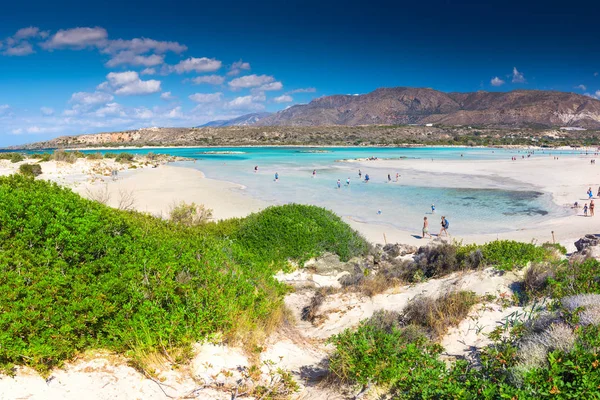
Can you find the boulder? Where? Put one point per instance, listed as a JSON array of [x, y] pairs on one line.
[[588, 240]]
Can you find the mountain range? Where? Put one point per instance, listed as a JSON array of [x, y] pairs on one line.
[[403, 105]]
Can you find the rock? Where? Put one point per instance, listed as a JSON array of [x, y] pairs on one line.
[[588, 240], [393, 250]]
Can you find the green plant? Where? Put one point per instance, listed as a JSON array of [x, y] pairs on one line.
[[124, 157], [16, 157], [32, 170], [94, 156], [570, 279], [190, 214], [64, 156]]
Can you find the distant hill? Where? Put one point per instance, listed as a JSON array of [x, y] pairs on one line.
[[401, 105], [244, 120]]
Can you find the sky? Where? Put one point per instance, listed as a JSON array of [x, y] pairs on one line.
[[71, 67]]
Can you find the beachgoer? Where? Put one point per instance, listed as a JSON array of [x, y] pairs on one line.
[[598, 195], [314, 173], [379, 212], [360, 174], [590, 193], [389, 178], [276, 177], [367, 178], [433, 208], [339, 183], [255, 168], [585, 208], [445, 225], [348, 181], [576, 205], [426, 228], [592, 208], [397, 176]]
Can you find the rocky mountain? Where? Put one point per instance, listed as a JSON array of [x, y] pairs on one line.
[[401, 105], [243, 120]]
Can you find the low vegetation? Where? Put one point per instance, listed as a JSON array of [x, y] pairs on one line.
[[32, 170], [190, 214], [78, 275]]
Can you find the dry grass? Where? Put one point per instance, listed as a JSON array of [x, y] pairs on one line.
[[310, 312], [589, 305], [126, 200], [536, 277], [190, 214], [437, 315], [101, 195], [534, 348]]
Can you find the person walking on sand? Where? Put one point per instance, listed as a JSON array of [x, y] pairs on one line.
[[590, 193], [426, 229], [591, 208], [445, 225], [585, 209]]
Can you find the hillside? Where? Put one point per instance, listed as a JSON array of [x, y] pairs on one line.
[[243, 120], [394, 106]]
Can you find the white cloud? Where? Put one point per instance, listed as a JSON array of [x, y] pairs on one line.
[[206, 97], [283, 99], [17, 131], [111, 109], [76, 38], [593, 96], [95, 98], [148, 71], [303, 90], [142, 113], [271, 86], [175, 113], [210, 79], [128, 84], [143, 45], [4, 109], [131, 58], [246, 103], [30, 32], [166, 96], [21, 49], [237, 67], [581, 87], [517, 77], [497, 81], [250, 81], [202, 64], [47, 111]]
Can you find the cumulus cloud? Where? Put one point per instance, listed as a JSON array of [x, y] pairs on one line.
[[110, 109], [271, 87], [237, 67], [76, 38], [246, 103], [202, 64], [517, 77], [581, 87], [303, 90], [206, 97], [131, 58], [143, 45], [18, 44], [30, 32], [20, 49], [210, 79], [166, 96], [87, 98], [283, 99], [497, 81], [175, 113], [129, 84], [47, 111], [593, 95], [250, 81], [4, 109], [148, 71]]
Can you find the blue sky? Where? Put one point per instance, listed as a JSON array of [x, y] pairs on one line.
[[69, 67]]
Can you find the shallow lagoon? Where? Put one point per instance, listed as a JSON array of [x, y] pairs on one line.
[[471, 206]]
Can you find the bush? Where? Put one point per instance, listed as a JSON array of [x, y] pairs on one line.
[[190, 214], [45, 157], [124, 157], [437, 315], [64, 156], [110, 155], [16, 157], [537, 277], [577, 278], [508, 254], [32, 170], [77, 275], [94, 156]]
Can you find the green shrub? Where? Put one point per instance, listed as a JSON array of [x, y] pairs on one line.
[[124, 157], [30, 169], [94, 156], [78, 275], [110, 155], [64, 156], [508, 254], [190, 214], [16, 157], [45, 157], [578, 278]]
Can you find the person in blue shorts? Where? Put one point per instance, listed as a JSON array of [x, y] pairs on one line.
[[339, 183], [276, 177], [433, 208], [367, 178]]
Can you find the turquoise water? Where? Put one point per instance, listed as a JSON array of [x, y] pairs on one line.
[[471, 207]]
